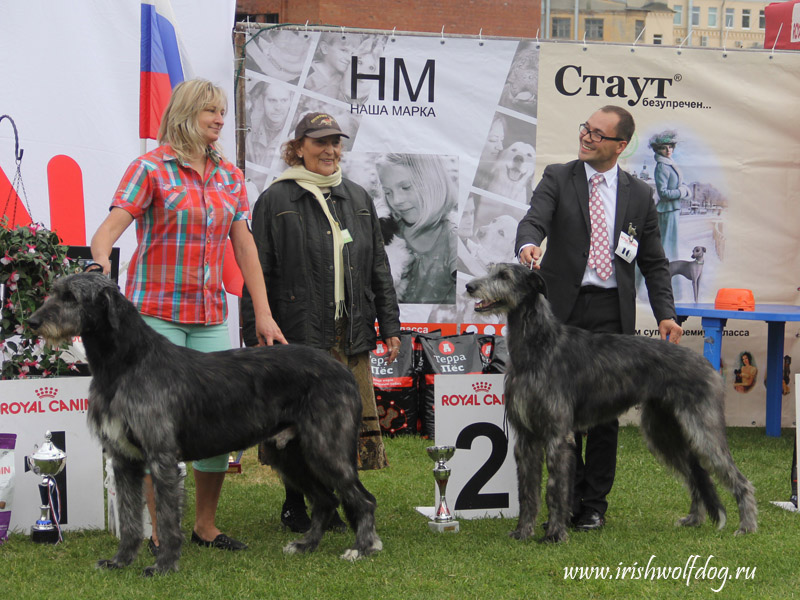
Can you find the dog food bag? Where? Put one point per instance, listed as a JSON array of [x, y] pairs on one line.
[[7, 443], [396, 387], [498, 362], [448, 355], [486, 344]]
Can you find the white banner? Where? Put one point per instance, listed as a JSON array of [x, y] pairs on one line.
[[453, 120], [70, 81], [486, 108]]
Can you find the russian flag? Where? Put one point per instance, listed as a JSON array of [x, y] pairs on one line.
[[163, 64]]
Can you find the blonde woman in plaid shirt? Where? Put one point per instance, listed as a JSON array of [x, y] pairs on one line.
[[187, 200]]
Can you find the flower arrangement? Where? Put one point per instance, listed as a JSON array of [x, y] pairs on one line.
[[31, 258]]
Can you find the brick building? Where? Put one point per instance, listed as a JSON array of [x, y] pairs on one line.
[[511, 18]]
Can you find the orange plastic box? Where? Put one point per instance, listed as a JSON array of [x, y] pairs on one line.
[[734, 299]]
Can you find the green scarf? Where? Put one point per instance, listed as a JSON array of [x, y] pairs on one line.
[[312, 182]]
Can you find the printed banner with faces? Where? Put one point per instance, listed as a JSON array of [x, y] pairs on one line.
[[445, 134]]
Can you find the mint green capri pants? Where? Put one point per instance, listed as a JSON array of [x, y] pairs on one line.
[[205, 338]]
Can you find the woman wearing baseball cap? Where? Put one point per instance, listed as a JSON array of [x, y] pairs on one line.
[[321, 251]]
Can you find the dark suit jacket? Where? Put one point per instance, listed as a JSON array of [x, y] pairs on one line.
[[560, 212]]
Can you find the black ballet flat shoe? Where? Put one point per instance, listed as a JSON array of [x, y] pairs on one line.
[[221, 542], [151, 545]]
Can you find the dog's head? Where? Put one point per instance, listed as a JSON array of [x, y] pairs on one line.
[[517, 161], [504, 287], [522, 81], [77, 304], [698, 252], [495, 241]]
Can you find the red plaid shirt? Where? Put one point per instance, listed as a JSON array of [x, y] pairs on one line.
[[182, 224]]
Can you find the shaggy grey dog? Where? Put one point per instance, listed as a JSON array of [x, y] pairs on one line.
[[563, 379], [153, 403]]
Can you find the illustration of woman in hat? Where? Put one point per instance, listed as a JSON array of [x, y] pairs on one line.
[[670, 189]]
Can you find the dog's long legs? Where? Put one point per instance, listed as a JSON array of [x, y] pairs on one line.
[[128, 478], [529, 454], [169, 508], [668, 442], [359, 507], [323, 505], [720, 462], [560, 466]]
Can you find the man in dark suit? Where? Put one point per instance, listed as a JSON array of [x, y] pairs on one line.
[[592, 247]]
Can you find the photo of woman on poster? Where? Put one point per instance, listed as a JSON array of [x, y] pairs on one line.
[[332, 60], [331, 69], [745, 375], [422, 200]]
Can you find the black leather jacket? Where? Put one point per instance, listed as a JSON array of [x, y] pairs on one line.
[[295, 248]]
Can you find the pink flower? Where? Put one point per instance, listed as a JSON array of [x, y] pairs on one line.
[[34, 227], [14, 276], [31, 248], [6, 259]]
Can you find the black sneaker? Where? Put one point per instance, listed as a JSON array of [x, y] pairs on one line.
[[793, 500], [295, 518]]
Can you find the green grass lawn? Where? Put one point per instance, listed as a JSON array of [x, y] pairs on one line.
[[480, 561]]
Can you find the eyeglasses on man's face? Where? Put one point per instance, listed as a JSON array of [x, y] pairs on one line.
[[596, 136]]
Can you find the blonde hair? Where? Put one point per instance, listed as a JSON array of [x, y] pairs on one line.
[[429, 178], [179, 124]]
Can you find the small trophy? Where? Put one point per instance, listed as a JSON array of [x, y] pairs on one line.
[[443, 519], [47, 461]]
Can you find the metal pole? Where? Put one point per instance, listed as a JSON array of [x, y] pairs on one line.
[[575, 18]]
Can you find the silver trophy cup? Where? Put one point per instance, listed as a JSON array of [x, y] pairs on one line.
[[47, 461], [443, 519]]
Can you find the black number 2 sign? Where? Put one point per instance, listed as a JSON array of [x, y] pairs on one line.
[[471, 496]]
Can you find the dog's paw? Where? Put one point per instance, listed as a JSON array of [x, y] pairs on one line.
[[107, 563], [352, 555], [554, 538], [299, 547], [743, 530], [691, 521], [292, 548], [521, 533], [158, 570]]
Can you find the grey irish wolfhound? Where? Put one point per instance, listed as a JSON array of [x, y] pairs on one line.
[[153, 403], [563, 379]]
